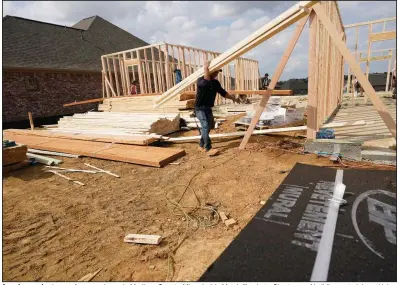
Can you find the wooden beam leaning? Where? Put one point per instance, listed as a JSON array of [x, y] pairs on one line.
[[276, 76], [312, 75], [378, 104], [277, 25], [109, 85]]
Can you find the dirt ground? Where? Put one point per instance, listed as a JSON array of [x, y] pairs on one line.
[[55, 230]]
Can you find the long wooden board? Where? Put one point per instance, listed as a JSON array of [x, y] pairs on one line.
[[382, 36], [143, 155], [122, 139]]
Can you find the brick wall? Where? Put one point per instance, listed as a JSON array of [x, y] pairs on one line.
[[53, 90]]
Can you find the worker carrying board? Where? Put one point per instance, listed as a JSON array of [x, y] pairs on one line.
[[207, 87]]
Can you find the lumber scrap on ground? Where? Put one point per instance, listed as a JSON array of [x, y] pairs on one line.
[[75, 135], [145, 239], [143, 155], [14, 154]]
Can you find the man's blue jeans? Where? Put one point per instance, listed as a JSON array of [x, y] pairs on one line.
[[205, 116]]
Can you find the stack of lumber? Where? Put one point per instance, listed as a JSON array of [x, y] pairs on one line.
[[115, 123], [143, 155], [145, 104], [14, 156], [14, 153]]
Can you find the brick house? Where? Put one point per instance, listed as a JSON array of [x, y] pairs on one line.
[[47, 65]]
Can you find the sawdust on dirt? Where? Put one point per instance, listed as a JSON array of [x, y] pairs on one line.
[[55, 230]]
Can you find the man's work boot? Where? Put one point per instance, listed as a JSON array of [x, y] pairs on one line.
[[201, 149], [213, 152]]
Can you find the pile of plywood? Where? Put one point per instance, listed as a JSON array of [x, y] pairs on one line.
[[117, 123], [145, 104]]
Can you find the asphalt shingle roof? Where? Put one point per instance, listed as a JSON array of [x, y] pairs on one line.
[[33, 44]]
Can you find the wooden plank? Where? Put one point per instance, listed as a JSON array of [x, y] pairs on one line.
[[148, 72], [167, 67], [370, 22], [89, 276], [111, 138], [275, 26], [143, 239], [376, 58], [143, 87], [378, 104], [375, 37], [84, 102], [237, 134], [389, 71], [154, 73], [118, 91], [368, 55], [127, 75], [276, 76], [312, 79], [143, 155], [125, 89], [32, 126], [130, 62], [110, 79], [104, 72], [161, 69], [109, 85]]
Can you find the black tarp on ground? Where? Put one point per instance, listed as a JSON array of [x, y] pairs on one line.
[[280, 243]]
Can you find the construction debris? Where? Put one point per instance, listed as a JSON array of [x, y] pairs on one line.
[[43, 159], [65, 177], [102, 170], [143, 239], [223, 216], [230, 223], [89, 276]]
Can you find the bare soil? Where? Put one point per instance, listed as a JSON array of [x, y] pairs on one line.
[[55, 230]]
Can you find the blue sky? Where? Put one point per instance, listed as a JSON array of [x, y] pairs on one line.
[[209, 25]]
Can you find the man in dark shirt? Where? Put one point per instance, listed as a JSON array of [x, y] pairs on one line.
[[207, 87]]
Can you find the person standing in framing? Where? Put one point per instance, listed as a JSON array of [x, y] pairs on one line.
[[207, 87]]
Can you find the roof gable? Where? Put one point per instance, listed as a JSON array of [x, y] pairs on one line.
[[33, 44]]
